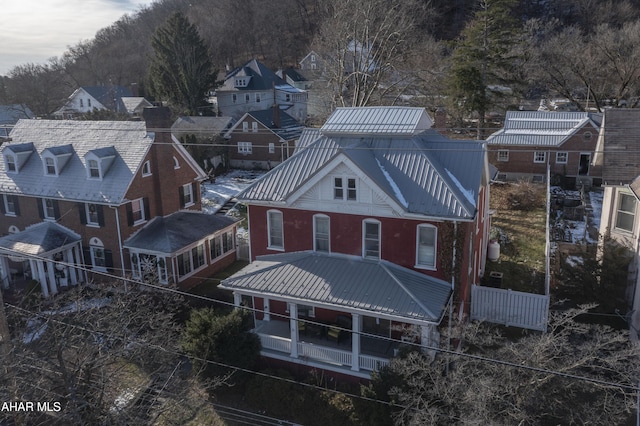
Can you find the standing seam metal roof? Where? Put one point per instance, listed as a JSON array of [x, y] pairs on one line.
[[342, 281]]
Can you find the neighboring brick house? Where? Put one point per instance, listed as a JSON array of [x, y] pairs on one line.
[[91, 185], [365, 232], [254, 87], [530, 140], [262, 139]]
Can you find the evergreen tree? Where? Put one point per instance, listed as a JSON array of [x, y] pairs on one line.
[[482, 57], [180, 70]]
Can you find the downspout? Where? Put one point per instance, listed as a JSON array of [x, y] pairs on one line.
[[453, 281], [115, 210]]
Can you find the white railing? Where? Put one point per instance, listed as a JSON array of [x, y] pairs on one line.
[[320, 353], [275, 343], [509, 307]]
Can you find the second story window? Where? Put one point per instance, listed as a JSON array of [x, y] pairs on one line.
[[234, 98], [321, 233], [254, 126], [245, 126], [93, 214], [539, 157], [10, 205], [81, 103], [186, 195], [48, 209], [247, 98], [626, 212], [272, 148], [371, 239], [137, 211], [426, 247], [275, 229]]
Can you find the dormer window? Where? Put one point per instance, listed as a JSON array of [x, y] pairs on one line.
[[94, 168], [10, 162], [50, 166]]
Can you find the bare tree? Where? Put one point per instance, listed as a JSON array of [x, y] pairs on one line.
[[576, 373]]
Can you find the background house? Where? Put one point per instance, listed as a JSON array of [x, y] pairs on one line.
[[530, 140], [262, 139], [254, 87], [366, 229], [92, 185], [9, 116], [88, 98]]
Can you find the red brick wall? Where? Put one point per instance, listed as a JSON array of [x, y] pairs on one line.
[[260, 144]]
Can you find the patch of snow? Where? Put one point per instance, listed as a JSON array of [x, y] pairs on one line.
[[468, 194], [35, 329], [225, 187], [596, 204], [393, 184], [123, 399], [575, 260]]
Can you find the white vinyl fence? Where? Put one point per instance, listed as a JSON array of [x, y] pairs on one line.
[[509, 307]]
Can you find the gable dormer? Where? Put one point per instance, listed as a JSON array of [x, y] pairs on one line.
[[55, 158], [15, 156], [98, 161], [241, 81]]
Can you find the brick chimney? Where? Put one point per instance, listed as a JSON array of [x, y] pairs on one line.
[[158, 122], [157, 119]]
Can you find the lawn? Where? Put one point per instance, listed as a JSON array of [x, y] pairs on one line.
[[518, 223]]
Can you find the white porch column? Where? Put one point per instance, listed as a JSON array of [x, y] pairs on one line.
[[356, 321], [73, 273], [52, 277], [77, 254], [237, 299], [5, 275], [267, 312], [41, 276], [293, 325]]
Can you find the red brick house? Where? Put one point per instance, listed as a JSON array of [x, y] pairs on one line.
[[262, 139], [73, 192], [362, 237], [531, 140]]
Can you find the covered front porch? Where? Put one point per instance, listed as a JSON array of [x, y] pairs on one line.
[[45, 252], [354, 315]]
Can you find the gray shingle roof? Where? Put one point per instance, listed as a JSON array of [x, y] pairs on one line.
[[427, 174], [619, 142], [176, 231], [289, 129], [541, 128], [38, 239], [201, 125], [262, 78], [341, 281], [129, 138]]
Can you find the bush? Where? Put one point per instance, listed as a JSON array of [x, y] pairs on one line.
[[525, 195], [223, 339]]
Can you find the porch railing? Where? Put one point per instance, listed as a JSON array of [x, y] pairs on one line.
[[324, 354]]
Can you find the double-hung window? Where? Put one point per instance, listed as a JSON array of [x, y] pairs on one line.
[[371, 239], [503, 155], [539, 157], [426, 247], [344, 188], [562, 157], [245, 148], [10, 161], [626, 212], [137, 209], [275, 229], [321, 233], [187, 195]]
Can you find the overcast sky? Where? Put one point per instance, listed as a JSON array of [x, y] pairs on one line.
[[36, 30]]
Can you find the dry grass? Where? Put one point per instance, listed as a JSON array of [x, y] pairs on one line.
[[519, 225]]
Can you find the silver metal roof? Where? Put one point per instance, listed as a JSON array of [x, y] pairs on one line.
[[386, 120], [541, 128], [128, 138], [344, 282], [427, 174]]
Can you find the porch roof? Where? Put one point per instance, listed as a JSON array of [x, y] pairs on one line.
[[172, 233], [38, 239], [344, 282]]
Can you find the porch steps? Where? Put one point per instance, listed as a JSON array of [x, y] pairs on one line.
[[227, 206]]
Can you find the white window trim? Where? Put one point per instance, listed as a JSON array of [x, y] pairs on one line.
[[245, 126], [345, 187], [272, 148], [96, 244], [176, 163], [189, 251], [619, 197], [419, 265], [254, 126], [146, 168], [98, 167], [539, 161], [143, 218], [88, 215], [245, 148], [5, 200], [269, 245], [13, 161], [321, 216], [503, 158], [187, 190], [55, 165], [44, 209], [364, 227], [566, 159]]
